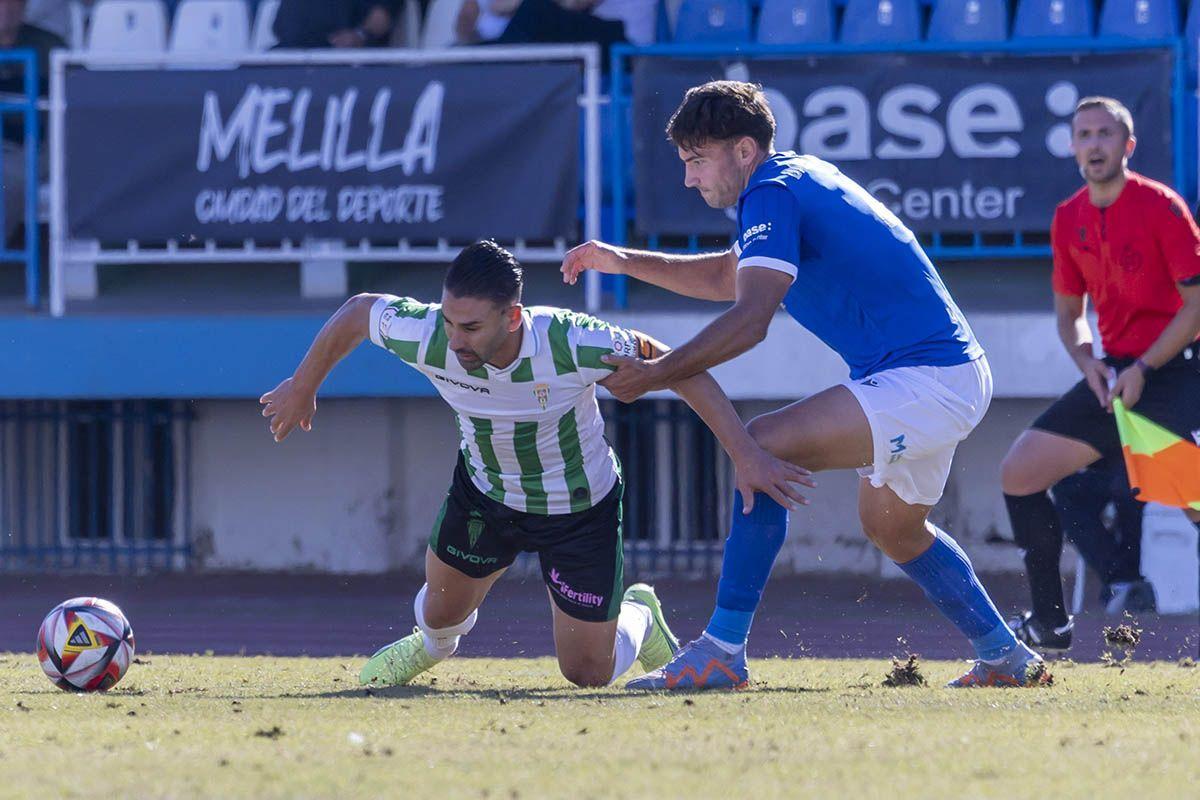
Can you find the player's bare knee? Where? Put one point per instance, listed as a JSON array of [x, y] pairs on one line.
[[1015, 476], [895, 537], [586, 674], [880, 533], [585, 669]]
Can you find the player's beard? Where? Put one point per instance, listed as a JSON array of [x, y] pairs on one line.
[[472, 360], [714, 199], [482, 355]]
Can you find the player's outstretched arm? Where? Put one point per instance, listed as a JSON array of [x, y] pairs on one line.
[[708, 276], [294, 401], [755, 469], [741, 327]]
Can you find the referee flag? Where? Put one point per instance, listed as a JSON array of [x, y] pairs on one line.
[[1163, 468]]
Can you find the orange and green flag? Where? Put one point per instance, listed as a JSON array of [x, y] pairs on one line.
[[1163, 468]]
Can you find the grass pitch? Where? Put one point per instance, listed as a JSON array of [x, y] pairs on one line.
[[180, 726]]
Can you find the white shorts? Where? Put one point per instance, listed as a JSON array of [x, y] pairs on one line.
[[918, 415]]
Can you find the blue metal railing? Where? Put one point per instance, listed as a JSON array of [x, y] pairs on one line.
[[1023, 244], [27, 107], [95, 486]]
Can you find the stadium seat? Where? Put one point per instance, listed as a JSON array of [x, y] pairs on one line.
[[211, 26], [440, 17], [1040, 19], [128, 26], [263, 37], [713, 22], [881, 21], [1139, 19], [968, 21], [795, 22]]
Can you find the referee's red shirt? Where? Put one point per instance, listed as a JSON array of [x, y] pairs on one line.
[[1127, 258]]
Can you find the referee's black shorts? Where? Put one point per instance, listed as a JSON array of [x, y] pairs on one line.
[[1171, 398]]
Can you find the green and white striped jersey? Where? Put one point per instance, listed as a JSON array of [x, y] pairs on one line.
[[532, 435]]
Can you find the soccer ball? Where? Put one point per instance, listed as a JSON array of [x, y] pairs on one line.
[[85, 645]]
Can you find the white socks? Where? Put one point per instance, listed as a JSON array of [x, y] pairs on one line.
[[441, 643], [633, 625]]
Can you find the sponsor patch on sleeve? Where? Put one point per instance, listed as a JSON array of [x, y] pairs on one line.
[[385, 321], [633, 344]]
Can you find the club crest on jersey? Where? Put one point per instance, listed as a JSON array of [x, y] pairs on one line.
[[542, 392]]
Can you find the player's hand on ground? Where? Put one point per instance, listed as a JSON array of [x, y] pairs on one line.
[[1098, 375], [1128, 387], [633, 378], [759, 471], [288, 405], [593, 255]]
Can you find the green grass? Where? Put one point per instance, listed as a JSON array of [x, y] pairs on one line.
[[181, 726]]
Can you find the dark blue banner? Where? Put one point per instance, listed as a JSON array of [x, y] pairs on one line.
[[949, 142], [378, 152]]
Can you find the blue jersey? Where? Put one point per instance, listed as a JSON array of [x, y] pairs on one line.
[[861, 282]]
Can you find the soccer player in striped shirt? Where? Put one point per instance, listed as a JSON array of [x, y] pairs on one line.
[[534, 472]]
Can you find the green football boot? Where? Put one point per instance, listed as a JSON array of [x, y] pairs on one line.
[[397, 663], [660, 644]]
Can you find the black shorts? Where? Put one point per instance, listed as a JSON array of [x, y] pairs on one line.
[[581, 554], [1171, 398]]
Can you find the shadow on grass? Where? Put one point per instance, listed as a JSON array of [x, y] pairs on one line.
[[564, 693], [420, 691]]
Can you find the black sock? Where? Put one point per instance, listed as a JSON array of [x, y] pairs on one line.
[[1037, 532]]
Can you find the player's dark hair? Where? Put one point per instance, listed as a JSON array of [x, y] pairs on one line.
[[486, 270], [719, 111]]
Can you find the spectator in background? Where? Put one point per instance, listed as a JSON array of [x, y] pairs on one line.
[[607, 22], [57, 17], [334, 23], [15, 34], [482, 21]]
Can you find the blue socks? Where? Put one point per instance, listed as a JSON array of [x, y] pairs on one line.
[[946, 575], [943, 571], [750, 551]]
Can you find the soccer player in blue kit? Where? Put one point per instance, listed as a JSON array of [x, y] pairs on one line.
[[848, 270]]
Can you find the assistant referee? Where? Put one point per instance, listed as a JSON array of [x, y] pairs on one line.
[[1131, 245]]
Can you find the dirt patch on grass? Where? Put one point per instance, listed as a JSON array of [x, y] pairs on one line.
[[1125, 638], [1039, 675], [905, 673]]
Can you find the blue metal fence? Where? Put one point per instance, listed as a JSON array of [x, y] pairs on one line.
[[678, 488], [27, 108], [1017, 245], [95, 486]]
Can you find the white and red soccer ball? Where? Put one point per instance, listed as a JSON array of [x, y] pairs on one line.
[[85, 645]]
